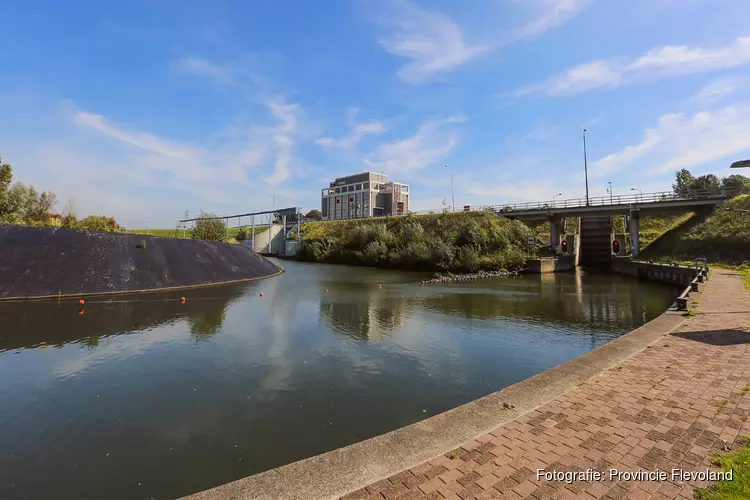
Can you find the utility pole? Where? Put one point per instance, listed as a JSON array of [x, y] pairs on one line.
[[610, 192], [453, 199], [184, 226], [586, 167]]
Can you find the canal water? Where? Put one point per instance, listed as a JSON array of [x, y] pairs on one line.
[[143, 396]]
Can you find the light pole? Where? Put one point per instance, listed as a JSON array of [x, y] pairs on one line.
[[586, 167], [453, 200], [610, 192], [555, 196], [639, 190]]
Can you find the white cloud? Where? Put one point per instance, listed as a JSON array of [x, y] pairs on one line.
[[287, 115], [716, 90], [431, 41], [540, 133], [663, 62], [549, 14], [680, 141], [434, 141], [204, 67], [358, 131]]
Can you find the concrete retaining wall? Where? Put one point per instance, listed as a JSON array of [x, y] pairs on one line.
[[39, 262], [550, 265], [666, 273]]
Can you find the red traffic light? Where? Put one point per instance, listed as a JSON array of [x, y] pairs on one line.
[[616, 246], [565, 246]]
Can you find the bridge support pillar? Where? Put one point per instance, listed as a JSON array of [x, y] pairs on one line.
[[634, 226], [555, 232]]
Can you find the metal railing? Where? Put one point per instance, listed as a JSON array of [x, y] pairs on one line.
[[599, 201]]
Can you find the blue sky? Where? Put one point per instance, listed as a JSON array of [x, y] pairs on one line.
[[144, 109]]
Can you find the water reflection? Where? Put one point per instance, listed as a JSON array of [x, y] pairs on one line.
[[56, 323], [147, 397]]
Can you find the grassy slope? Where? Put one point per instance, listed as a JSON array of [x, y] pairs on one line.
[[462, 241], [721, 237], [177, 233]]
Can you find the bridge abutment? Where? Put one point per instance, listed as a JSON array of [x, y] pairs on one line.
[[555, 233], [634, 226]]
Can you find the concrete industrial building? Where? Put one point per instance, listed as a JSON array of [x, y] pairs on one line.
[[364, 195]]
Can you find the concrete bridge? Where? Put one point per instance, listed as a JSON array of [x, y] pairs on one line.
[[595, 229]]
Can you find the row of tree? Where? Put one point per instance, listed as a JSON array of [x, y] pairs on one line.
[[22, 204], [734, 184]]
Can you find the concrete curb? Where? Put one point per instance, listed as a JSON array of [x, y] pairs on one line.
[[347, 469]]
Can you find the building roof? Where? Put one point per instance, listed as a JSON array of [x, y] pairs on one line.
[[741, 164]]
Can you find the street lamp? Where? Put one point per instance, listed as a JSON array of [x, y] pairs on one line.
[[555, 196], [453, 200], [639, 190], [586, 167], [610, 192], [741, 164]]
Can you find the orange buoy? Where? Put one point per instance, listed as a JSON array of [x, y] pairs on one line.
[[182, 299], [380, 286], [261, 294], [326, 289], [80, 311], [81, 301]]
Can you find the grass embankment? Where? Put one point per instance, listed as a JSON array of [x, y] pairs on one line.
[[651, 228], [739, 487], [460, 242], [722, 237], [180, 233]]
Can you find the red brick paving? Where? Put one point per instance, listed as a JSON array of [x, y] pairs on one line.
[[672, 405]]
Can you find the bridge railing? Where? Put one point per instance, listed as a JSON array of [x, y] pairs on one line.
[[611, 200]]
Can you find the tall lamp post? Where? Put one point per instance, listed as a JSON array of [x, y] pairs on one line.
[[555, 196], [453, 200], [586, 167], [639, 190], [610, 192]]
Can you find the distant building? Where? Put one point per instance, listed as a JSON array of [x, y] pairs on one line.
[[364, 195]]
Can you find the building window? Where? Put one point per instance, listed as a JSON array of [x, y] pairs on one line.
[[404, 189], [338, 189], [351, 188], [366, 186], [359, 187]]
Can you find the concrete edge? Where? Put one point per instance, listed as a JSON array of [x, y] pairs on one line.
[[130, 292], [347, 469]]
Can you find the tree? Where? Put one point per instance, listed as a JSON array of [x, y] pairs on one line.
[[709, 183], [736, 184], [683, 182], [6, 177], [314, 214], [98, 223], [209, 227]]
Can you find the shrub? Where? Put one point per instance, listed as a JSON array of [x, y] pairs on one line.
[[242, 234], [96, 223], [375, 252], [468, 260], [209, 227], [473, 235], [443, 253]]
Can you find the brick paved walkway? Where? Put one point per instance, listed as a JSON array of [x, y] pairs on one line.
[[671, 405]]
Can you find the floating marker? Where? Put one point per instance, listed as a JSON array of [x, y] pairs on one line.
[[326, 289], [81, 301], [261, 294], [182, 299], [80, 311], [380, 286]]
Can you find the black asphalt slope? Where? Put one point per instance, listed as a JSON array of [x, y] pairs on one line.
[[40, 261]]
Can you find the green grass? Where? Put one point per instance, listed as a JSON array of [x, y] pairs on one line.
[[721, 237], [739, 487], [651, 228], [178, 233]]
